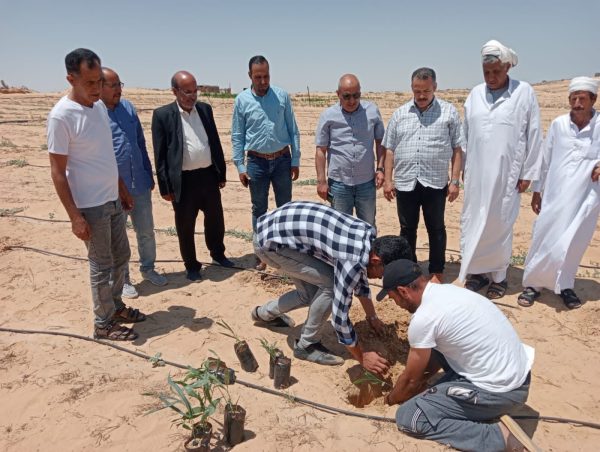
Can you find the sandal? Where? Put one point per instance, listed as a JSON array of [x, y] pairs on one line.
[[475, 283], [128, 315], [528, 296], [115, 332], [570, 299], [497, 290]]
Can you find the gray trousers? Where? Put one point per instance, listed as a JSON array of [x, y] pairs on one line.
[[108, 251], [458, 413], [314, 288]]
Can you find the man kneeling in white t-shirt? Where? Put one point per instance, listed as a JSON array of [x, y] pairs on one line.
[[487, 367]]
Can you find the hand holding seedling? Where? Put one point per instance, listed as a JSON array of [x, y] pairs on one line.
[[375, 363]]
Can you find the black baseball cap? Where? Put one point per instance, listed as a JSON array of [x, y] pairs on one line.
[[398, 273]]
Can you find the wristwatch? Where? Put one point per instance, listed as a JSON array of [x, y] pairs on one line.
[[455, 182], [380, 170]]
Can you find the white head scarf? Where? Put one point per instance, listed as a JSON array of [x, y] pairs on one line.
[[497, 49], [584, 84]]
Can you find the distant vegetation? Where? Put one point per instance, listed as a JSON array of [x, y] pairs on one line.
[[219, 95]]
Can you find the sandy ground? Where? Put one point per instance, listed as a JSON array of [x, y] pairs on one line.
[[59, 393]]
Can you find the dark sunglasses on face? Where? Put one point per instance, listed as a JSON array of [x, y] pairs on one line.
[[348, 96], [114, 85]]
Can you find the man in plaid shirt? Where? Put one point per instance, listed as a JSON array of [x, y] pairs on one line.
[[422, 138], [329, 256]]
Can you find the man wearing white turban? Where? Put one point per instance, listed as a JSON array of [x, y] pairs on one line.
[[502, 156], [566, 197]]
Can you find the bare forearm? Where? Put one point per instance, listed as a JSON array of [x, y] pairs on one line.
[[380, 151], [58, 172], [405, 389], [456, 163], [368, 307], [61, 185], [389, 164], [356, 352], [320, 162]]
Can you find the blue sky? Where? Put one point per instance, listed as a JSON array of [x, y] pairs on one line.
[[308, 43]]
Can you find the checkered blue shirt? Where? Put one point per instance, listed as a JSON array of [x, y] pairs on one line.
[[423, 144], [337, 239]]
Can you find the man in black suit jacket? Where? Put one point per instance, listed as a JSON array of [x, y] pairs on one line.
[[190, 169]]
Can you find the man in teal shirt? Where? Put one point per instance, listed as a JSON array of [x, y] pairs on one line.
[[262, 132]]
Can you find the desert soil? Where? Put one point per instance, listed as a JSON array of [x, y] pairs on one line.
[[61, 393]]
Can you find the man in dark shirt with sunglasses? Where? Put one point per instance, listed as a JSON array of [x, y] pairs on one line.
[[344, 138]]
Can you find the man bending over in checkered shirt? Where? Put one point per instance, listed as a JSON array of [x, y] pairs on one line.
[[329, 256]]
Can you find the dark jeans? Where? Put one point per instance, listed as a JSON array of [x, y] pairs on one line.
[[199, 192], [433, 202], [263, 173], [361, 198]]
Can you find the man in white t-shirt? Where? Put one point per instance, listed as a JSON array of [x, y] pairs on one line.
[[487, 367], [84, 171]]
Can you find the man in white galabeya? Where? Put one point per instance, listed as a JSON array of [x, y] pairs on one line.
[[502, 150], [566, 198]]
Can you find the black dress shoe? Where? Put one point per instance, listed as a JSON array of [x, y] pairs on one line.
[[193, 275], [223, 262]]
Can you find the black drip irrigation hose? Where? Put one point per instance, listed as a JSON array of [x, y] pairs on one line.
[[48, 220], [209, 264], [163, 261], [293, 398]]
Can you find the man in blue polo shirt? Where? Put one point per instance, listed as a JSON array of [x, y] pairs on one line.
[[136, 171], [264, 128]]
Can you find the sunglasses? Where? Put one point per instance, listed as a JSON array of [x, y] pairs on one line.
[[348, 96], [114, 85]]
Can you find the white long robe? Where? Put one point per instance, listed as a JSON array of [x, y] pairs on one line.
[[503, 145], [570, 204]]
